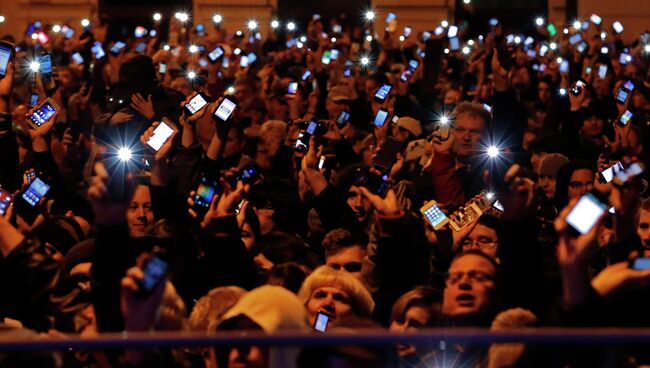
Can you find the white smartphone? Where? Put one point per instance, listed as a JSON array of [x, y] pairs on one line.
[[584, 215], [434, 215], [160, 135]]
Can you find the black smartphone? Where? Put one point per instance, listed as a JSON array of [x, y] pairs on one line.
[[43, 113], [46, 70], [383, 92], [196, 104], [578, 86], [622, 95], [215, 54], [343, 117], [27, 204], [225, 109], [377, 184], [381, 117], [625, 118], [302, 142], [249, 174], [387, 156], [320, 324], [204, 192], [5, 201], [505, 51], [154, 272], [7, 52], [585, 213]]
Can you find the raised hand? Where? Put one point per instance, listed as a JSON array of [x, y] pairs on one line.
[[143, 106]]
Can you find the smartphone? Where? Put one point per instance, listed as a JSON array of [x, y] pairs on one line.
[[543, 49], [582, 47], [406, 75], [139, 32], [154, 273], [604, 50], [452, 31], [292, 88], [306, 75], [162, 68], [326, 162], [618, 27], [320, 324], [434, 215], [44, 112], [465, 216], [337, 28], [302, 142], [160, 135], [243, 61], [377, 184], [629, 85], [407, 31], [584, 215], [632, 171], [5, 200], [117, 47], [454, 44], [578, 86], [195, 105], [383, 92], [552, 31], [97, 50], [33, 100], [203, 63], [68, 32], [390, 17], [413, 64], [575, 38], [326, 58], [141, 47], [206, 190], [531, 53], [251, 58], [380, 118], [387, 155], [334, 54], [77, 58], [625, 118], [640, 263], [564, 67], [602, 71], [498, 206], [27, 203], [153, 33], [6, 55], [487, 108], [588, 70], [624, 58], [595, 19], [622, 95], [343, 117], [215, 54], [609, 174], [438, 30], [493, 22], [225, 109], [347, 72]]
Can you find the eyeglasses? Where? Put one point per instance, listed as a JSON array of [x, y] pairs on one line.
[[453, 278], [349, 267], [481, 243]]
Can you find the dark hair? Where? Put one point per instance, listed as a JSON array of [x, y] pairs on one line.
[[564, 177], [421, 296], [280, 247], [339, 239], [289, 275]]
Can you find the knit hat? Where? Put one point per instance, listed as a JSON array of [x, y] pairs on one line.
[[411, 125], [551, 164]]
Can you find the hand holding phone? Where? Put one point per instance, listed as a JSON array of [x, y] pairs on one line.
[[160, 135], [321, 322], [434, 215], [585, 213], [7, 52], [196, 104], [154, 273], [383, 92], [225, 109], [44, 113]]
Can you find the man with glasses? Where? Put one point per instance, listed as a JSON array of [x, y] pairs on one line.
[[483, 236], [344, 251]]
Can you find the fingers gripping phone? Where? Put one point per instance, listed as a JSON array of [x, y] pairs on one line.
[[585, 214], [196, 104], [6, 55], [434, 215], [27, 204], [160, 135], [43, 113], [225, 109]]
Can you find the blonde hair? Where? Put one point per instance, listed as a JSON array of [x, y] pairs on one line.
[[276, 128], [360, 299]]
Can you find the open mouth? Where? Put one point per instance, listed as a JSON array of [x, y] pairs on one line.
[[466, 300]]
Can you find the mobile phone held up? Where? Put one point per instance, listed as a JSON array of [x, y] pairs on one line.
[[292, 89], [434, 215], [196, 104], [640, 263], [622, 95], [154, 272], [204, 193], [5, 201], [625, 118], [380, 118], [27, 204], [160, 135], [6, 55], [215, 54], [343, 117], [320, 324], [225, 109], [579, 85], [383, 92], [585, 213], [43, 113], [609, 174]]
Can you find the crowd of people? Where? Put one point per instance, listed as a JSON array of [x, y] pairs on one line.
[[185, 178]]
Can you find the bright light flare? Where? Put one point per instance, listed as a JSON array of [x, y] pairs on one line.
[[489, 195], [34, 66], [34, 36], [517, 40], [124, 154], [553, 45], [467, 2], [56, 28], [191, 75], [539, 21], [369, 15], [444, 120], [466, 50], [291, 26], [493, 151], [182, 17], [193, 49], [275, 23], [217, 18], [2, 18], [251, 24], [157, 17], [85, 22], [230, 90], [577, 24], [562, 92], [646, 49], [444, 24]]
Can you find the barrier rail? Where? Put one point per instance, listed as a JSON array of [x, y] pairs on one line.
[[363, 337]]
